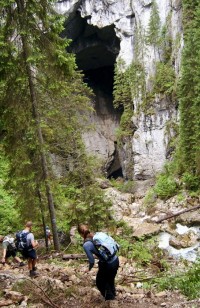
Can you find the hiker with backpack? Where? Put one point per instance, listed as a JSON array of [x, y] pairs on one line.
[[99, 245], [26, 244], [48, 235], [9, 249]]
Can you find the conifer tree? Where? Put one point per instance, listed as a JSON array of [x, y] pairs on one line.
[[189, 90], [153, 33], [40, 97]]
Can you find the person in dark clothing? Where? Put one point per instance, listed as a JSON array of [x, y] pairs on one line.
[[107, 270]]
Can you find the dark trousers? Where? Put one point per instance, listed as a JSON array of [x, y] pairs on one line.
[[105, 280]]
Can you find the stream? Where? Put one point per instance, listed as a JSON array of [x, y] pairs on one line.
[[190, 253]]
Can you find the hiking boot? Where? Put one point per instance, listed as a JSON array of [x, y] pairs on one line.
[[33, 274], [34, 268]]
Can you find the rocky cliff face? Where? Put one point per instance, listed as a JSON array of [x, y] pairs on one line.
[[104, 32]]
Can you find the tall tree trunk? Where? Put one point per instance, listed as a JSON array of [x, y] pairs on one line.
[[25, 46], [43, 219]]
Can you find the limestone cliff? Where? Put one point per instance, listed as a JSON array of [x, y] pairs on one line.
[[104, 33]]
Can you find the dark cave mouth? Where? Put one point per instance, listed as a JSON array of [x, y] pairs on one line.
[[116, 174], [102, 78], [96, 50]]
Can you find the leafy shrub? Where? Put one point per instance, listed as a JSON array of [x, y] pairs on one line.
[[142, 252], [150, 198], [191, 181], [165, 187], [164, 78], [123, 186], [188, 283]]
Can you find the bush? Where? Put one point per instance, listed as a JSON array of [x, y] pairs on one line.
[[150, 198], [188, 283], [164, 79], [165, 187], [191, 181]]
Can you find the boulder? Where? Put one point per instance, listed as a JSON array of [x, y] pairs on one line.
[[146, 229]]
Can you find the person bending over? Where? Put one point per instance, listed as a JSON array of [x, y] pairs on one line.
[[9, 250], [107, 270]]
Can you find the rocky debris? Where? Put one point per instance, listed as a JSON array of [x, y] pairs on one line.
[[103, 183], [146, 229], [123, 204], [69, 285], [190, 218], [15, 297], [184, 240], [173, 205]]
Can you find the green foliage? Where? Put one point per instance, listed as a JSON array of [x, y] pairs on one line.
[[125, 129], [129, 83], [123, 186], [154, 26], [190, 181], [9, 217], [165, 186], [31, 39], [150, 198], [189, 91], [84, 205], [122, 90], [142, 252], [188, 283], [164, 79]]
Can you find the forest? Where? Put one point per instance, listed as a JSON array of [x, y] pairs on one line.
[[47, 176]]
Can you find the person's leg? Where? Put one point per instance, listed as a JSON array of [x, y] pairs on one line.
[[33, 257], [7, 256], [16, 258], [34, 264], [30, 264], [101, 279], [110, 279]]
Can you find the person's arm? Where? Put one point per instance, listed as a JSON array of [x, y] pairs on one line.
[[32, 240], [88, 248], [3, 260]]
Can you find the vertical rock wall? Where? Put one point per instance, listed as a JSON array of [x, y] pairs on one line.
[[152, 134]]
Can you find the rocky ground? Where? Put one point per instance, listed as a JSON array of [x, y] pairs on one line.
[[66, 284]]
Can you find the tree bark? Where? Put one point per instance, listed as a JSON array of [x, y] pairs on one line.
[[25, 46], [74, 256], [179, 213], [43, 220]]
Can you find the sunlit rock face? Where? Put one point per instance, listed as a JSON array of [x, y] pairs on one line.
[[102, 33]]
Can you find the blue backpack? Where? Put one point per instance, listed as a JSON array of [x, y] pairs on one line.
[[107, 247], [21, 241]]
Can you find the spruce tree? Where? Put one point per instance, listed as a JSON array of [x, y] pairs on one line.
[[41, 99], [189, 90], [153, 32]]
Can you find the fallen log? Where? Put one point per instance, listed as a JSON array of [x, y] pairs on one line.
[[74, 256], [178, 213]]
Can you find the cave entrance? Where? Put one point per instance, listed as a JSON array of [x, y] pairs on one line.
[[96, 50]]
